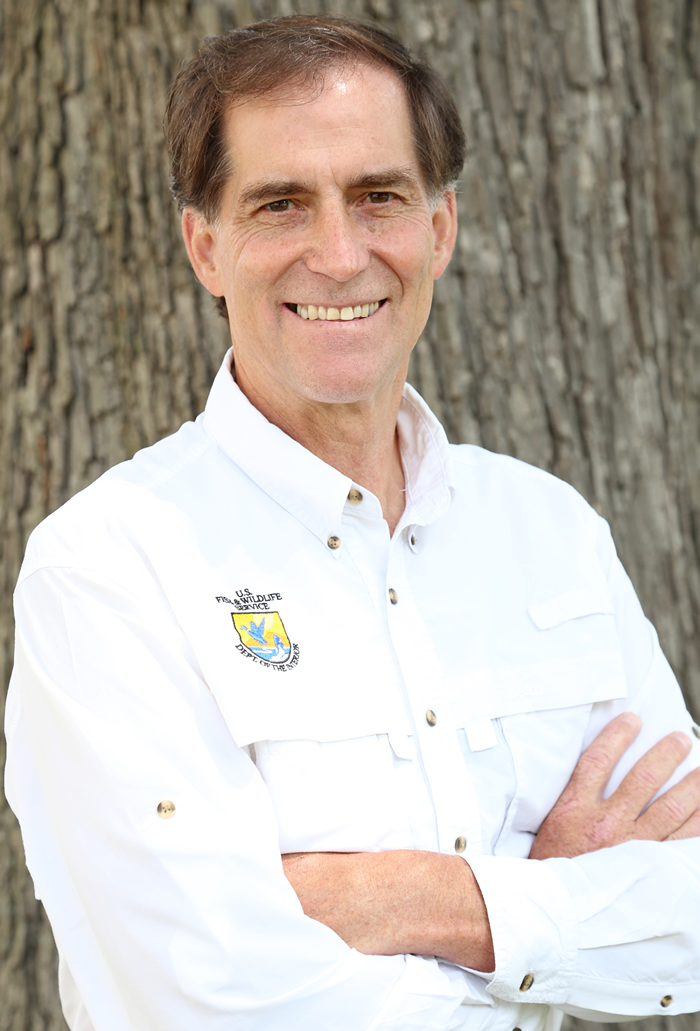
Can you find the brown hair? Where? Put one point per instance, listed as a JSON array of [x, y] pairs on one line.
[[294, 52]]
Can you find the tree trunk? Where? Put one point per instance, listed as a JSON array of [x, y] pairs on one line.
[[565, 331]]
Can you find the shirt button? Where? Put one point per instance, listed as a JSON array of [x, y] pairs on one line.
[[430, 718], [333, 543], [527, 983], [354, 496], [166, 809], [393, 596], [460, 844], [696, 730], [413, 540], [667, 1000]]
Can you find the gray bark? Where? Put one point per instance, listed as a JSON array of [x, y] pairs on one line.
[[565, 332]]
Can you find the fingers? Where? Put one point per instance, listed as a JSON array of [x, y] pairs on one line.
[[582, 821], [675, 814], [650, 773], [690, 829], [601, 757]]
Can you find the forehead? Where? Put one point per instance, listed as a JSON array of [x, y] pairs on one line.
[[356, 118]]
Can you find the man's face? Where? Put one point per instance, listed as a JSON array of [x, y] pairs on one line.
[[325, 209]]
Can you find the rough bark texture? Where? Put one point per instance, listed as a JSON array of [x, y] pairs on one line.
[[565, 332]]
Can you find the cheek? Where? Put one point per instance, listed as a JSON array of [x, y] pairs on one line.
[[417, 279], [259, 263], [410, 255]]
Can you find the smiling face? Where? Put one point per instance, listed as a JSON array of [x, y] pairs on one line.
[[326, 245]]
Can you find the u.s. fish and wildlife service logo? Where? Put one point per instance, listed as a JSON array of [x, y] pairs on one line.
[[263, 636]]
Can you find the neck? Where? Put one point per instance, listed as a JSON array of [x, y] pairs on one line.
[[359, 439], [370, 456]]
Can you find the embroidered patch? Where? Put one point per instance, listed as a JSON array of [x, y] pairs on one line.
[[264, 637]]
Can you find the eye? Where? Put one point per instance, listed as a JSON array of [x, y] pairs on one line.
[[376, 197], [279, 205]]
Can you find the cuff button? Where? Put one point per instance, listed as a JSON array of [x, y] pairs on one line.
[[667, 1000], [528, 982]]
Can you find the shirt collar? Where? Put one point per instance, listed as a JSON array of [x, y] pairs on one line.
[[427, 462], [313, 491]]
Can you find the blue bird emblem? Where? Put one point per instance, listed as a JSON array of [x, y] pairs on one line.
[[256, 630], [264, 636]]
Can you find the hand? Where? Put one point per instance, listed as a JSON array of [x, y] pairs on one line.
[[390, 903], [582, 821]]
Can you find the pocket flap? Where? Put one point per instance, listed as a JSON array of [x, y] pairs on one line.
[[569, 605]]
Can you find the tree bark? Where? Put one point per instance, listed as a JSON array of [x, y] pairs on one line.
[[565, 331]]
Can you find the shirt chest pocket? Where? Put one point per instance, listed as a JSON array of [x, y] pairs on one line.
[[583, 667], [345, 795], [542, 692]]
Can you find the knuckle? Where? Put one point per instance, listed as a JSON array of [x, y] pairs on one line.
[[595, 760], [673, 809], [647, 778], [676, 745]]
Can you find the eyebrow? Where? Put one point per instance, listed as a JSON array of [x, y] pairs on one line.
[[390, 178], [401, 178]]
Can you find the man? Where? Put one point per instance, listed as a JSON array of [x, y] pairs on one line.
[[304, 636]]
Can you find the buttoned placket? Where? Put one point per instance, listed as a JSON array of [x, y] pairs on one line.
[[454, 800], [384, 564]]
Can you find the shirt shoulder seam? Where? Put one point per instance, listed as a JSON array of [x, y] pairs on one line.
[[54, 566], [157, 481]]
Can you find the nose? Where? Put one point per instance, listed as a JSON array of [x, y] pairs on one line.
[[337, 248]]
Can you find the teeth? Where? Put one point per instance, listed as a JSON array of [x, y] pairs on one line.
[[359, 311]]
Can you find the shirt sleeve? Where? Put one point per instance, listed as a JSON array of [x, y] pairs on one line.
[[181, 921], [613, 934]]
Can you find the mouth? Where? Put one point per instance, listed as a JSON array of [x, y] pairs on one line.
[[329, 314]]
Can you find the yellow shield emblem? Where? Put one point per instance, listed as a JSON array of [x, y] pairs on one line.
[[263, 634]]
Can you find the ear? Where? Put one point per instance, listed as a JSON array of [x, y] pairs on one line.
[[444, 232], [201, 241]]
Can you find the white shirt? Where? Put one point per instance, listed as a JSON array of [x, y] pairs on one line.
[[218, 625]]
